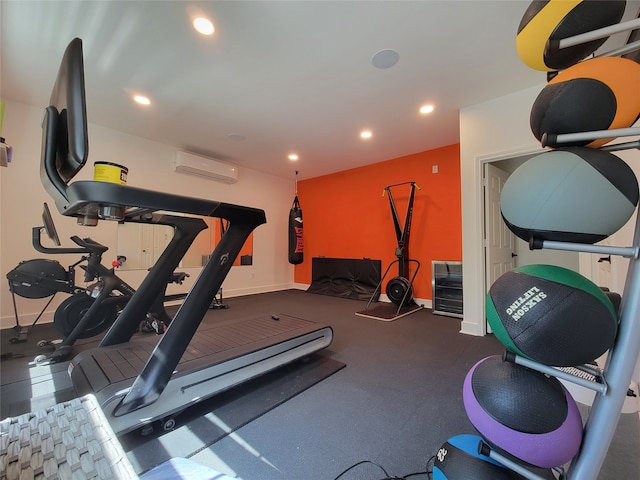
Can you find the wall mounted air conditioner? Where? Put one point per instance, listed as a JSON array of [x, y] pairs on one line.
[[206, 167]]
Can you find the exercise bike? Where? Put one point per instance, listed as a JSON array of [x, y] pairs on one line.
[[89, 310]]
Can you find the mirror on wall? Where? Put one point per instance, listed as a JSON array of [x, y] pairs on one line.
[[143, 243]]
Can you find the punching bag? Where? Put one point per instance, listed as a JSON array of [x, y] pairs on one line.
[[296, 253]]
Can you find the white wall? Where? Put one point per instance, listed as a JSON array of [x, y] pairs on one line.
[[496, 129], [150, 166]]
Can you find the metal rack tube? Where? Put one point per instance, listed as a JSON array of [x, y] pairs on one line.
[[554, 372], [487, 451], [597, 34], [627, 252], [550, 138], [603, 419], [617, 52], [617, 147]]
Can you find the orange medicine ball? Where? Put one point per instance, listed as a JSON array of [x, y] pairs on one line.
[[597, 94]]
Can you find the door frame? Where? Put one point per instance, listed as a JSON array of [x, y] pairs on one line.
[[479, 258], [489, 230]]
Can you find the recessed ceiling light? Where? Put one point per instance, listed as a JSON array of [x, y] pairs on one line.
[[141, 99], [293, 157], [237, 137], [385, 58], [426, 109], [203, 26], [366, 134]]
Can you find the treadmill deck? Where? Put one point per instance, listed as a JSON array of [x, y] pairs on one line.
[[210, 344], [218, 357]]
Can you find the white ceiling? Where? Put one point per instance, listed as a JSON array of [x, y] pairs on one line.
[[289, 76]]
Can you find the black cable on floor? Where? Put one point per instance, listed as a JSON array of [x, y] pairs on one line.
[[431, 461], [362, 463], [387, 476]]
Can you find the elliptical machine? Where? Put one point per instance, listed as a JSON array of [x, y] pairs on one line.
[[90, 310]]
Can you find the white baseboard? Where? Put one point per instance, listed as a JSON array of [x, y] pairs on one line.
[[240, 292], [27, 319], [423, 302]]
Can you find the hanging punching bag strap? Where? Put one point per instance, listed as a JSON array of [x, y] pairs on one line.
[[296, 248]]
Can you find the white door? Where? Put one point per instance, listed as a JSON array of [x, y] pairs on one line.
[[130, 245], [597, 268], [148, 238], [161, 237], [499, 242]]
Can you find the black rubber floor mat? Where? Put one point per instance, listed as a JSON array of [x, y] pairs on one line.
[[204, 424], [388, 312]]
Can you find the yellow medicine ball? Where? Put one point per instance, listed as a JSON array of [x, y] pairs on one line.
[[546, 22]]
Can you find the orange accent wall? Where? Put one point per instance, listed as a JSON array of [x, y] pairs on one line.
[[346, 216]]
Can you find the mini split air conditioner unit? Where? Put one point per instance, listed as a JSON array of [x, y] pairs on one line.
[[206, 167]]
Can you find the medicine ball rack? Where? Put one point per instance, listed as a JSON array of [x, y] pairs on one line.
[[611, 384]]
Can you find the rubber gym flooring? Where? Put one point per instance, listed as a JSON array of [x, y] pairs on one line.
[[388, 394]]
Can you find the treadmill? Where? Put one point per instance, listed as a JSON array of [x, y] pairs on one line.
[[139, 380]]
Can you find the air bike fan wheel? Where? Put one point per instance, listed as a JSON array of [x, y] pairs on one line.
[[399, 291]]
